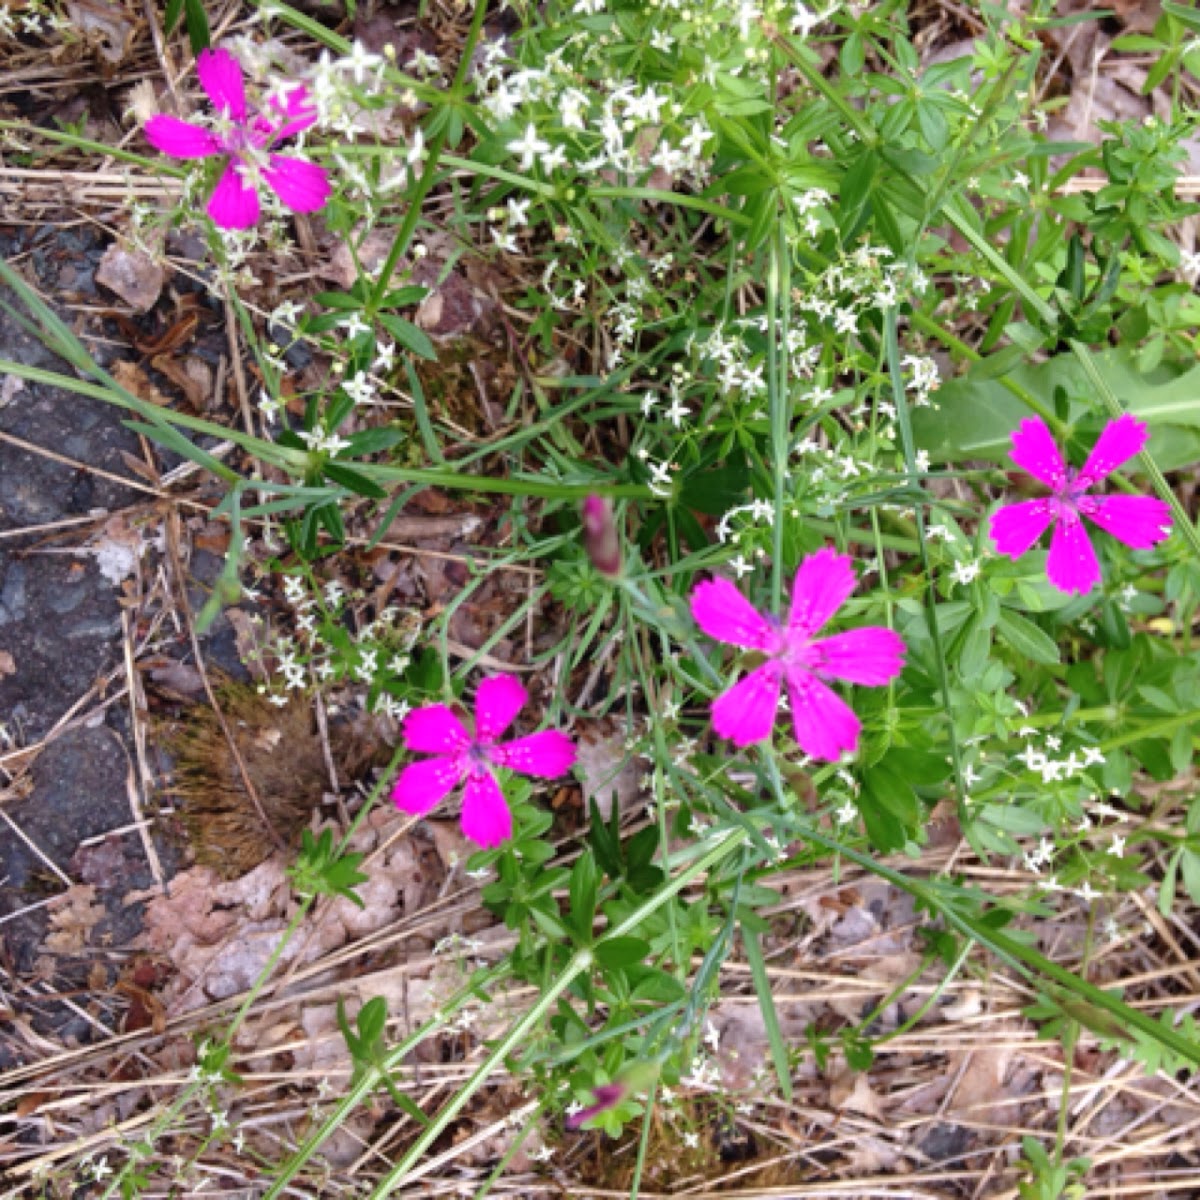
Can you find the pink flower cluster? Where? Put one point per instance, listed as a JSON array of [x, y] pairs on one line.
[[247, 138]]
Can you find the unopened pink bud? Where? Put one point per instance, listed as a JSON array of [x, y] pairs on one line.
[[600, 536]]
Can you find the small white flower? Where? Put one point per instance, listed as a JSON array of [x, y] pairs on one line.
[[1117, 846], [518, 210], [966, 572], [360, 61], [416, 153], [691, 1140], [529, 146]]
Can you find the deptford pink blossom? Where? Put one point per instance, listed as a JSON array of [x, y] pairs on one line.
[[825, 725], [459, 756], [600, 537], [248, 138], [1138, 521]]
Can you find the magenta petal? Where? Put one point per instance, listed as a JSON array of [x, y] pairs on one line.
[[823, 583], [825, 725], [498, 699], [1138, 521], [1119, 442], [180, 139], [746, 712], [233, 204], [422, 784], [485, 816], [221, 78], [302, 186], [434, 729], [1034, 450], [1016, 527], [726, 615], [298, 112], [1071, 565], [546, 755], [872, 655]]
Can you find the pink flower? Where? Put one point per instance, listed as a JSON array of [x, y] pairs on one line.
[[600, 537], [247, 138], [825, 725], [1138, 521], [436, 730]]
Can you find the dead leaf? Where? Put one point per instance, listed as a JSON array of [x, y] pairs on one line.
[[145, 1011], [852, 1091], [980, 1093], [181, 678], [7, 665], [102, 865], [105, 27], [609, 773], [192, 376], [73, 916], [9, 388], [133, 379], [133, 275]]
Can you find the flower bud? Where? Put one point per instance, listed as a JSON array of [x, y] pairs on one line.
[[600, 536]]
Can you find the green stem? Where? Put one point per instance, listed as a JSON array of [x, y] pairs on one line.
[[780, 409], [1089, 1003], [458, 481], [1180, 514], [432, 167], [903, 417], [155, 166], [580, 962]]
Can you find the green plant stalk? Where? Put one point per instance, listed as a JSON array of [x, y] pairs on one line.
[[932, 999], [678, 199], [507, 1157], [295, 461], [371, 1078], [154, 166], [1027, 961], [580, 962], [778, 286], [639, 1166], [417, 199], [904, 420]]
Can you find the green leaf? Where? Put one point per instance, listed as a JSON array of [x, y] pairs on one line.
[[976, 415], [1184, 14], [766, 1002], [1027, 639], [199, 37], [622, 951], [582, 893], [353, 481], [409, 336]]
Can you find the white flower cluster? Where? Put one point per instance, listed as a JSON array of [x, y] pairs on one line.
[[379, 652]]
